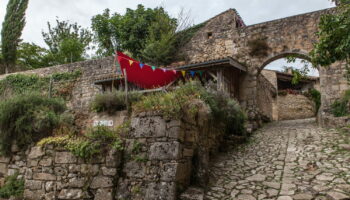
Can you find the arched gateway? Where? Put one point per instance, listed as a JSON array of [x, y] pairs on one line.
[[255, 46]]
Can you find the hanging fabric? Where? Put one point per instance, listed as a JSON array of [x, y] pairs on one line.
[[145, 76]]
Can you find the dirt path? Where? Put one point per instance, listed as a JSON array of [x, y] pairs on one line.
[[284, 161]]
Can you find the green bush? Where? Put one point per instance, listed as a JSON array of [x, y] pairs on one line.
[[27, 118], [315, 96], [21, 83], [13, 187], [340, 107], [96, 141], [224, 110], [113, 101]]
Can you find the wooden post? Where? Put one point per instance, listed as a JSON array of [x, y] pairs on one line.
[[126, 89]]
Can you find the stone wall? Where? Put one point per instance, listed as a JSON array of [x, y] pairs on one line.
[[293, 106], [54, 173], [267, 98], [161, 158], [84, 89], [165, 156]]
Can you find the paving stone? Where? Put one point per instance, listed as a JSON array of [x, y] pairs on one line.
[[285, 198], [289, 160]]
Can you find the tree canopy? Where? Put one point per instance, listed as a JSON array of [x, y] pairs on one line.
[[67, 42], [11, 32], [143, 32], [334, 37]]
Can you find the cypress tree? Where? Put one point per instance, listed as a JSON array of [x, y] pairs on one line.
[[11, 32]]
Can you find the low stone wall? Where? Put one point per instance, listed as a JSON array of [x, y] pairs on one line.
[[161, 158], [295, 107], [329, 121], [54, 173]]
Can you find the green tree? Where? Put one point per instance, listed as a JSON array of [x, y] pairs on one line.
[[105, 35], [32, 56], [334, 38], [160, 44], [11, 32], [67, 42], [128, 32]]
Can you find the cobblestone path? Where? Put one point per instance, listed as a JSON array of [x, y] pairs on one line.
[[285, 161]]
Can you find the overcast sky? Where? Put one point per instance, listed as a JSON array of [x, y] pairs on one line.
[[81, 11]]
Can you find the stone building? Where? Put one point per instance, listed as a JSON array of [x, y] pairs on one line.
[[234, 53]]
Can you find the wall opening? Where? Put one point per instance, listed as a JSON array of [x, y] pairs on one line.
[[285, 88]]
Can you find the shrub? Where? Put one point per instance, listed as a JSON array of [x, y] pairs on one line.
[[113, 101], [340, 107], [315, 96], [13, 187], [22, 83], [224, 110], [96, 141], [27, 118]]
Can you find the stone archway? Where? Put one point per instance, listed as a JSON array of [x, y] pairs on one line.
[[257, 45]]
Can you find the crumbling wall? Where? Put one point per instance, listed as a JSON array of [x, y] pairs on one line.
[[293, 106], [165, 156], [161, 157]]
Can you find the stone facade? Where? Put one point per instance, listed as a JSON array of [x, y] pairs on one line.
[[293, 106]]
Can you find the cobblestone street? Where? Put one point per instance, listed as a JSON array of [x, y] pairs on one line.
[[284, 161]]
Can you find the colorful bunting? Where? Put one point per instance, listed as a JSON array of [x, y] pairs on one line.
[[183, 73], [174, 71], [164, 70], [201, 73], [192, 73], [154, 68], [131, 62], [142, 65]]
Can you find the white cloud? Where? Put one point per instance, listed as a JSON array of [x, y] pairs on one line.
[[81, 11]]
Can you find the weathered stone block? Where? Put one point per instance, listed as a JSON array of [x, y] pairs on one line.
[[44, 177], [33, 195], [4, 159], [135, 169], [76, 182], [109, 171], [36, 152], [33, 185], [50, 186], [65, 158], [101, 182], [60, 171], [90, 169], [70, 194], [3, 169], [165, 151], [161, 190], [113, 158], [45, 162], [104, 194]]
